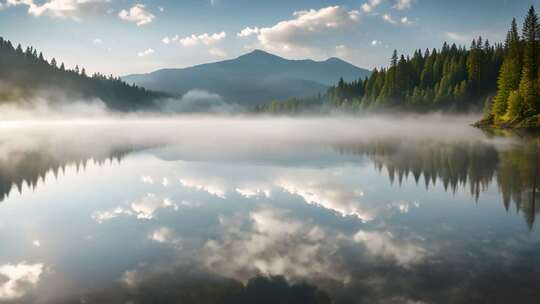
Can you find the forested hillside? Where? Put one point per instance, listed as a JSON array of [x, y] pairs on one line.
[[450, 78], [501, 79], [26, 74], [517, 103]]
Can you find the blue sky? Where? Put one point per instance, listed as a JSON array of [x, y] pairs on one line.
[[124, 36]]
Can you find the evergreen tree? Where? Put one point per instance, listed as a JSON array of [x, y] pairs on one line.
[[528, 86]]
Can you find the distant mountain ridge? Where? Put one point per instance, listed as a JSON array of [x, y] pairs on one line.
[[254, 78]]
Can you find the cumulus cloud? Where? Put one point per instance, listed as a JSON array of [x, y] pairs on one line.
[[146, 52], [97, 41], [212, 186], [324, 190], [369, 6], [403, 4], [248, 31], [375, 42], [388, 18], [164, 235], [137, 14], [168, 40], [206, 39], [300, 33], [383, 244], [15, 280], [269, 241], [143, 208], [64, 9], [253, 192]]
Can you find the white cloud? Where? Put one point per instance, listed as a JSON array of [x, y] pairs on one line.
[[102, 216], [145, 53], [270, 241], [63, 9], [405, 20], [309, 26], [369, 6], [375, 42], [384, 244], [212, 186], [137, 14], [161, 9], [388, 18], [16, 279], [146, 207], [332, 195], [403, 4], [36, 243], [143, 208], [168, 40], [97, 41], [206, 39], [255, 192], [248, 31], [164, 235], [217, 53]]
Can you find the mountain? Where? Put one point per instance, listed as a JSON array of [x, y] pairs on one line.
[[25, 75], [254, 78]]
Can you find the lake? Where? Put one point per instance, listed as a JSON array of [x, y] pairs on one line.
[[423, 209]]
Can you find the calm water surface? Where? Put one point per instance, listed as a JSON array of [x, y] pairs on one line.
[[224, 210]]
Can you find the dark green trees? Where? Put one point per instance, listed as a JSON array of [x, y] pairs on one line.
[[518, 85], [26, 74], [450, 78]]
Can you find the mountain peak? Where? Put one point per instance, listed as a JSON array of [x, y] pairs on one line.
[[259, 54], [334, 60]]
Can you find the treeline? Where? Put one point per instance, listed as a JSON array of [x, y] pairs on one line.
[[26, 74], [451, 78], [517, 103]]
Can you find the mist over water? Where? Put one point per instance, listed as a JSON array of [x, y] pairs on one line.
[[368, 209]]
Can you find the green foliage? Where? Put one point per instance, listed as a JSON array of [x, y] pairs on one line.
[[518, 96], [452, 78], [508, 81], [27, 74], [515, 107]]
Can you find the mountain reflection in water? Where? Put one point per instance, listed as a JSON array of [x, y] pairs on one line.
[[211, 214]]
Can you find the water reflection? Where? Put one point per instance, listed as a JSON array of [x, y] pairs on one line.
[[161, 219], [475, 165]]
